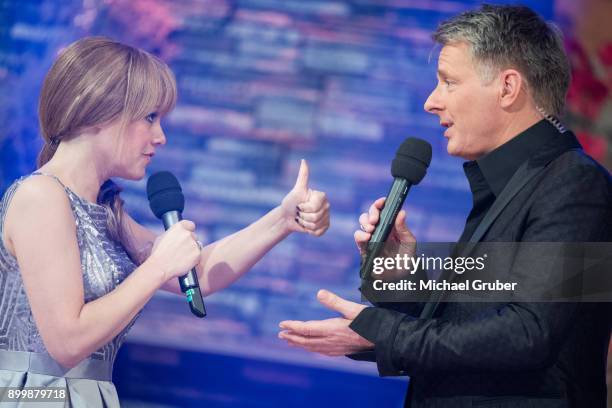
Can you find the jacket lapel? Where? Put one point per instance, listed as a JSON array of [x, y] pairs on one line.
[[527, 172]]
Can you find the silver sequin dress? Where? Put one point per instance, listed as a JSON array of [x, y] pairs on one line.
[[24, 361]]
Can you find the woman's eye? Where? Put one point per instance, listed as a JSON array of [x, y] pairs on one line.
[[151, 117]]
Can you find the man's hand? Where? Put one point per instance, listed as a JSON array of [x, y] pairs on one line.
[[400, 235], [331, 337], [304, 209], [400, 241]]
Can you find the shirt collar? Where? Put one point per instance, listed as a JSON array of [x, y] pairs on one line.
[[498, 166]]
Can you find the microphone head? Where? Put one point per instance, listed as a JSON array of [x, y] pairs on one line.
[[411, 160], [164, 193]]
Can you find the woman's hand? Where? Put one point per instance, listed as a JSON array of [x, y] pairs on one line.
[[304, 209], [176, 251]]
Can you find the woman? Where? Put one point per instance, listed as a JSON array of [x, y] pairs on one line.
[[75, 269]]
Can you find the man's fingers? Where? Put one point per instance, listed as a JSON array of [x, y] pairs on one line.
[[308, 329], [296, 338], [364, 222], [400, 222], [361, 239], [322, 345], [334, 302], [374, 210], [401, 229], [301, 183]]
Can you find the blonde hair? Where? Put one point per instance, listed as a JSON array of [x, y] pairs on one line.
[[96, 81]]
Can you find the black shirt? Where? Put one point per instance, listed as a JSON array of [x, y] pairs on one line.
[[489, 175]]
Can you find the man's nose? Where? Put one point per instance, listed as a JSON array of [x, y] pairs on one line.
[[433, 104]]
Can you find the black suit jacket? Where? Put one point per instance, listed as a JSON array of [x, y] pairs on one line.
[[511, 354]]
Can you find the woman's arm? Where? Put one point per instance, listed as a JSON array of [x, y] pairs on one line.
[[40, 232], [226, 260]]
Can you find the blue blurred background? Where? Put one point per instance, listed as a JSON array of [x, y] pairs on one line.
[[262, 84]]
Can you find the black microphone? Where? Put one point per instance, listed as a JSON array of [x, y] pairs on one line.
[[408, 167], [167, 203]]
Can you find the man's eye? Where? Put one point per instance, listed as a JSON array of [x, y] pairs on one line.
[[151, 117]]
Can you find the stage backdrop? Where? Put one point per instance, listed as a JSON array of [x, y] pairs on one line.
[[262, 84]]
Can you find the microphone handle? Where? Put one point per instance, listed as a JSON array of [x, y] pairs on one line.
[[393, 205], [189, 282]]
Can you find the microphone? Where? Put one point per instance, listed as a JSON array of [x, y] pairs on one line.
[[167, 203], [408, 167]]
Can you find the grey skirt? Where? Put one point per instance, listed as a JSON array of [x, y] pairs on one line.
[[88, 384]]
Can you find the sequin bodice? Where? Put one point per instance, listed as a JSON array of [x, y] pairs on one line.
[[104, 264]]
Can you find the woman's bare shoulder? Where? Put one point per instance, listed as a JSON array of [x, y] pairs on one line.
[[38, 201]]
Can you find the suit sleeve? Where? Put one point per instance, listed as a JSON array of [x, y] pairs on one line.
[[573, 206], [407, 308]]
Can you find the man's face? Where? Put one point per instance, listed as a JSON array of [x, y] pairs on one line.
[[467, 106]]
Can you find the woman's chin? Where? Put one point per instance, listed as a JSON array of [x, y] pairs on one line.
[[134, 175]]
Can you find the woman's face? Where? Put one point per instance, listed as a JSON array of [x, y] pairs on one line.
[[137, 146]]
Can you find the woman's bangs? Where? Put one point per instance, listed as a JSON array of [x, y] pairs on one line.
[[152, 86]]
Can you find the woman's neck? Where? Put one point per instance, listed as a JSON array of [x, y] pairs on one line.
[[76, 165]]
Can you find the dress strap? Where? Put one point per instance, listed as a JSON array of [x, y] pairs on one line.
[[53, 176], [75, 199]]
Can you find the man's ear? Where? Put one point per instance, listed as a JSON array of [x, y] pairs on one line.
[[511, 83], [95, 129]]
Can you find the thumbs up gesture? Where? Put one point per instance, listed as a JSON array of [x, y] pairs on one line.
[[304, 209]]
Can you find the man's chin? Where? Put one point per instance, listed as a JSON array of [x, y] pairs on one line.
[[451, 149], [456, 151]]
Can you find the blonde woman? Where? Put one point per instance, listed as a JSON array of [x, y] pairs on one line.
[[75, 269]]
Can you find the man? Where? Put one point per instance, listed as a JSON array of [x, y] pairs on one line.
[[502, 81]]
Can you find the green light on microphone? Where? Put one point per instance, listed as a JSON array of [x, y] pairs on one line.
[[189, 294]]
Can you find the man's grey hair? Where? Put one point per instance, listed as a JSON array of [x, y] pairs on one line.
[[502, 37]]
